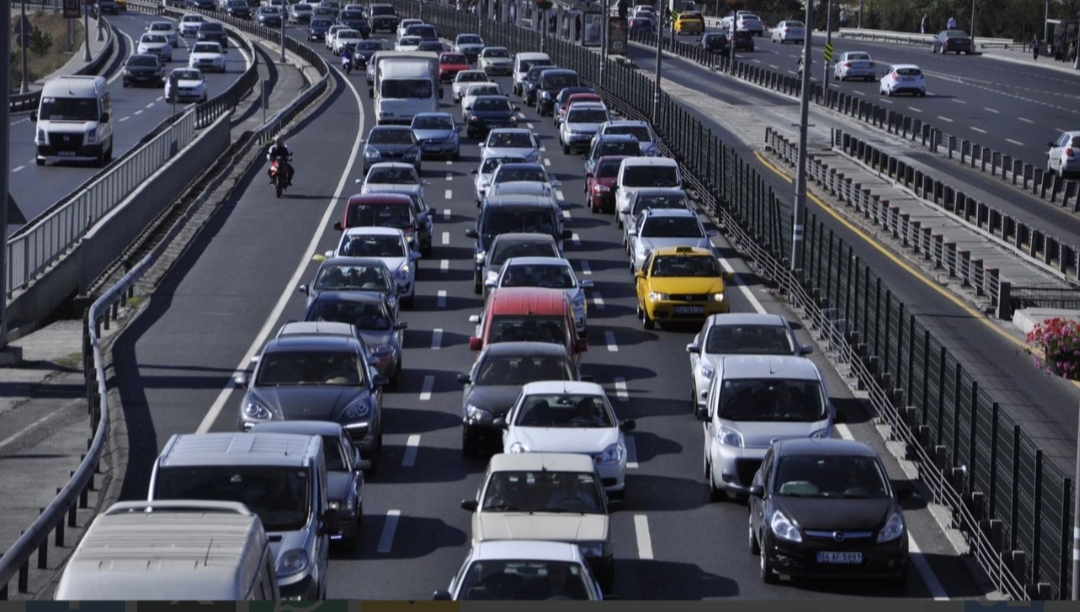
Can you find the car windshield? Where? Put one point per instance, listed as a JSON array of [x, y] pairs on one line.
[[955, 34], [153, 38], [352, 15], [592, 115], [466, 39], [483, 90], [68, 109], [280, 496], [772, 400], [382, 9], [320, 23], [192, 18], [489, 53], [672, 227], [374, 245], [535, 72], [527, 65], [212, 27], [390, 136], [294, 368], [497, 222], [507, 174], [271, 10], [512, 328], [348, 34], [517, 370], [423, 31], [369, 45], [843, 476], [511, 140], [453, 58], [616, 149], [505, 250], [608, 169], [858, 57], [681, 266], [406, 88], [161, 27], [559, 80], [142, 60], [468, 76], [749, 340], [206, 48], [187, 75], [564, 410], [492, 106], [336, 460], [543, 491], [392, 176], [645, 202], [381, 215], [652, 176], [371, 315], [490, 163], [910, 72], [352, 278], [637, 131], [506, 580], [550, 276], [433, 122]]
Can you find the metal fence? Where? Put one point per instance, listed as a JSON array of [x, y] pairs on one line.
[[1013, 507]]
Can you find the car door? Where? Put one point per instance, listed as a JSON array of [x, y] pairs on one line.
[[641, 282], [1055, 155], [757, 505]]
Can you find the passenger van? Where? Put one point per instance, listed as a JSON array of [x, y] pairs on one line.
[[280, 477], [74, 121], [528, 314], [644, 172], [522, 63], [512, 214], [172, 551]]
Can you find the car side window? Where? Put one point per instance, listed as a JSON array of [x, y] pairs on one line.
[[1063, 140], [766, 469], [646, 266], [713, 399]]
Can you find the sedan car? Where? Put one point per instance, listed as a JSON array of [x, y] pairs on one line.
[[168, 29], [549, 273], [474, 91], [494, 382], [582, 121], [503, 142], [469, 45], [301, 12], [450, 64], [854, 65], [826, 508], [189, 24], [598, 193], [319, 28], [462, 80], [488, 164], [489, 112], [384, 175], [742, 39], [155, 44], [501, 570], [903, 78], [330, 34], [381, 331], [346, 37], [689, 22], [144, 69], [239, 9], [207, 57], [269, 16], [496, 61], [344, 473], [213, 31], [387, 244], [789, 32], [404, 25], [408, 43], [355, 20], [1063, 158], [437, 135], [562, 100], [956, 41], [365, 50], [507, 173], [570, 417], [391, 143], [344, 274], [680, 284], [662, 228], [610, 145], [506, 246], [190, 86], [645, 199], [641, 130]]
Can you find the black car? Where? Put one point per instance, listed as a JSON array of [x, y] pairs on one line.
[[144, 69], [364, 50], [824, 507], [715, 42], [551, 82], [368, 274], [319, 27], [391, 143], [425, 31], [238, 9], [956, 41], [495, 381], [212, 31], [269, 16], [744, 40], [206, 5], [560, 100], [530, 83], [355, 20], [109, 7], [383, 18], [490, 112], [433, 46]]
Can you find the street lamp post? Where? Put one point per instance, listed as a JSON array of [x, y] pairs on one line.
[[100, 28], [804, 117], [86, 31], [1076, 66], [1076, 520], [605, 15], [828, 45], [25, 86], [972, 25], [659, 57], [283, 34]]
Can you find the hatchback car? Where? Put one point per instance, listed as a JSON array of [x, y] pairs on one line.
[[269, 16], [450, 64], [408, 43], [189, 24], [166, 28], [549, 273], [903, 78], [389, 245], [562, 100], [383, 209], [1063, 158], [207, 57], [383, 176], [505, 246], [496, 61], [437, 135], [499, 570], [469, 45], [611, 145], [144, 69], [319, 28], [488, 164], [641, 130], [956, 41], [392, 143], [462, 80], [475, 90], [213, 31], [663, 228], [644, 199], [155, 44], [185, 85], [715, 42], [508, 142], [373, 319], [599, 182], [742, 39], [789, 32], [582, 121], [367, 274], [301, 12]]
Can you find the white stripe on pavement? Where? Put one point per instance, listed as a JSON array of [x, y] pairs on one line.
[[386, 540], [620, 389], [441, 299], [446, 214], [446, 237], [1025, 120], [631, 453], [436, 339], [598, 300], [576, 239], [412, 445], [978, 130], [1019, 144], [609, 336], [644, 542], [927, 574], [426, 387], [449, 194], [945, 119], [444, 265], [585, 268]]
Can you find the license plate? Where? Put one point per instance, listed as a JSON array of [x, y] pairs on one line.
[[840, 558], [689, 309], [66, 153], [908, 79]]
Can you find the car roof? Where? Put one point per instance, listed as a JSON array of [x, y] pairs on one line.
[[374, 231], [785, 367], [618, 138], [526, 550], [390, 128], [682, 251], [361, 297], [492, 97], [589, 105], [319, 342], [560, 70], [317, 328], [548, 462], [511, 200], [343, 260], [392, 164], [454, 53], [562, 386], [648, 191], [825, 447], [527, 300], [522, 237], [379, 197], [519, 165], [899, 66], [236, 448], [650, 161], [545, 349], [436, 113], [488, 153], [536, 261], [516, 130], [746, 318], [610, 158], [533, 55], [307, 428], [670, 212]]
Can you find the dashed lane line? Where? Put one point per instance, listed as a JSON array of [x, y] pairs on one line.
[[446, 214], [1025, 120], [945, 119], [426, 387], [449, 176], [566, 214], [441, 299], [631, 453], [436, 339], [151, 105], [958, 101], [990, 110], [917, 110], [530, 126], [585, 269], [122, 119], [1019, 144], [386, 540], [17, 168], [139, 112], [446, 237], [612, 347], [620, 389], [559, 196], [444, 266], [598, 300], [449, 194], [981, 131], [412, 445], [547, 162], [641, 528], [576, 239]]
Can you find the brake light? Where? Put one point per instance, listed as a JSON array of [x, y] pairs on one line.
[[871, 64], [1069, 152], [896, 75], [847, 64]]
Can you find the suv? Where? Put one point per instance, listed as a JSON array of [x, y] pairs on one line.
[[513, 214], [144, 69], [382, 17], [550, 83]]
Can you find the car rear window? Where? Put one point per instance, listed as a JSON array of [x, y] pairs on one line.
[[909, 72]]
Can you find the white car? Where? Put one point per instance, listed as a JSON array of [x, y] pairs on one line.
[[641, 130], [330, 34], [750, 22], [408, 43], [189, 24], [549, 273], [903, 78], [523, 173], [301, 12], [496, 60], [570, 417], [474, 91], [512, 141], [854, 65], [156, 44], [469, 45], [346, 37], [190, 85], [645, 199], [737, 333], [666, 227], [383, 175], [404, 25], [1063, 158], [495, 570], [168, 29], [487, 168], [207, 57], [388, 244], [462, 80], [789, 32]]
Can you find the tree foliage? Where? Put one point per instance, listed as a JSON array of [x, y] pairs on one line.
[[40, 42]]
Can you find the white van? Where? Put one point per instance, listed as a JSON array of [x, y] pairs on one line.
[[74, 121], [524, 61], [172, 551], [404, 89], [644, 172]]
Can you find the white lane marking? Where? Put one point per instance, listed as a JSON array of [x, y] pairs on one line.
[[927, 574], [446, 237], [757, 61], [598, 300], [566, 214], [990, 110], [887, 101], [139, 112], [449, 194], [917, 110], [609, 336], [444, 265], [301, 268], [773, 66], [17, 168], [530, 126], [386, 540], [1019, 144], [644, 542], [620, 389], [585, 268], [426, 387], [944, 118], [861, 93], [958, 101], [151, 105], [446, 214], [412, 445], [436, 339], [978, 130], [576, 239], [124, 118], [441, 298], [160, 98], [1025, 120], [559, 195], [449, 162], [547, 162], [631, 453], [25, 430], [521, 115], [845, 433], [543, 149], [449, 176]]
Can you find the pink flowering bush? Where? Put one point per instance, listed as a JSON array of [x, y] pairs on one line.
[[1057, 344]]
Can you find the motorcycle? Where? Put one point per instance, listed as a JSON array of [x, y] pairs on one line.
[[279, 178], [346, 64]]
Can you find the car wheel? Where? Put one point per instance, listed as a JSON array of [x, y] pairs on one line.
[[39, 161], [468, 444], [768, 576], [646, 320], [478, 287], [350, 543], [566, 149], [751, 538], [693, 399], [716, 494]]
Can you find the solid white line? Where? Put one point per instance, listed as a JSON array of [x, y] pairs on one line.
[[411, 446], [944, 118], [773, 66], [426, 387], [644, 542], [927, 574], [446, 214], [436, 339], [598, 300], [576, 239], [620, 389], [1025, 120], [441, 298], [991, 110], [631, 453], [444, 265], [559, 196], [1019, 144], [386, 540], [547, 162], [845, 433], [861, 93], [25, 430], [301, 268], [449, 194], [17, 168], [446, 237], [887, 101], [585, 268], [978, 130], [543, 149], [611, 346]]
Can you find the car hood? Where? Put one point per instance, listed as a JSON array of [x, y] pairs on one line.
[[470, 47], [289, 540], [348, 40], [507, 151], [457, 67], [145, 45], [373, 337], [394, 263], [558, 527], [606, 181], [563, 439], [837, 514], [338, 486], [440, 135], [582, 127], [496, 399], [320, 28], [142, 68], [498, 60], [686, 285], [308, 402], [492, 114], [663, 243], [391, 148], [761, 435], [205, 56]]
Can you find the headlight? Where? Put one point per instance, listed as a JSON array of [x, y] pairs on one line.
[[598, 188], [357, 410], [518, 447], [256, 410], [402, 273], [370, 153], [513, 119], [292, 562], [822, 433], [545, 95], [491, 276], [41, 136], [592, 549], [478, 414], [718, 297], [730, 437], [474, 118], [706, 371], [411, 154], [91, 136], [783, 528], [658, 297], [334, 505], [894, 528], [611, 454], [127, 72], [382, 349]]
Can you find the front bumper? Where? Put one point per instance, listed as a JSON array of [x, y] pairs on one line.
[[80, 153], [613, 475], [500, 69], [144, 79], [303, 588], [801, 559], [685, 311], [579, 141], [737, 467], [483, 433], [604, 201], [182, 96]]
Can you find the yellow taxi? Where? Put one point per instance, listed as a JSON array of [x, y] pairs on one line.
[[680, 284], [689, 22]]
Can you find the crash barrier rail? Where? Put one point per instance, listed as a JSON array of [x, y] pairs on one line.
[[1029, 177], [24, 103], [911, 38], [1013, 506]]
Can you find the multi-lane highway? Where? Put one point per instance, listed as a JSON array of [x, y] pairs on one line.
[[136, 111], [236, 285]]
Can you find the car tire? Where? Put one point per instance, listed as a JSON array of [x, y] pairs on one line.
[[566, 149], [351, 543], [751, 537], [468, 444], [408, 302], [646, 321], [478, 287], [39, 161], [768, 576], [693, 399]]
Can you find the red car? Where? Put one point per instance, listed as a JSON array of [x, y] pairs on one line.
[[451, 63], [578, 97], [598, 186], [380, 210]]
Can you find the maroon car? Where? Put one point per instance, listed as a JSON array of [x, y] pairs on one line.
[[598, 185]]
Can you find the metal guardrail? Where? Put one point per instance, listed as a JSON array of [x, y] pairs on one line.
[[1014, 508], [910, 38]]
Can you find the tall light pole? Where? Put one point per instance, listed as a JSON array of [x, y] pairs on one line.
[[100, 28], [804, 117], [5, 159], [604, 16], [86, 31], [828, 45], [282, 33], [1076, 66], [972, 25], [659, 57], [25, 87]]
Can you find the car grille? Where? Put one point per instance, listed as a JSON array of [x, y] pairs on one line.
[[65, 142], [844, 536], [693, 297], [384, 155], [745, 469], [356, 431]]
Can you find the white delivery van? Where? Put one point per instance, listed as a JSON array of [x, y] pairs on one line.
[[74, 121], [405, 88], [373, 64]]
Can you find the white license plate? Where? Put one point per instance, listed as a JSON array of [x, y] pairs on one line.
[[66, 153], [689, 309], [840, 558]]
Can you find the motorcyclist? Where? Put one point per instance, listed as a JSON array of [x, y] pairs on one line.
[[347, 58], [281, 152]]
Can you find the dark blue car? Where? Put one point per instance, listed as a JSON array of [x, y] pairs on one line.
[[269, 16], [489, 112], [355, 20], [318, 28]]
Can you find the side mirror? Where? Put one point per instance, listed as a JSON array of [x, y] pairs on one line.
[[475, 344], [628, 425], [380, 381], [586, 284], [841, 416], [414, 255], [400, 326], [105, 117], [240, 379], [441, 596], [328, 254], [581, 346], [491, 283], [302, 289], [806, 349], [556, 183], [471, 233], [33, 117], [702, 413], [500, 423], [470, 505], [517, 108], [338, 227], [474, 170], [474, 319], [1049, 144], [624, 210], [712, 233], [567, 234], [464, 379], [757, 490], [639, 274], [693, 349]]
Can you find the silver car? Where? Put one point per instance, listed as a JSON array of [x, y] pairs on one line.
[[644, 199], [389, 245], [580, 125], [469, 45], [167, 29], [381, 331], [640, 130], [659, 229], [512, 141], [367, 274], [437, 134], [488, 164], [548, 273], [515, 244], [462, 80], [156, 44]]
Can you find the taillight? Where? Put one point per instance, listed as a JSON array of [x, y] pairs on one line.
[[947, 40], [1069, 152], [872, 64], [896, 75], [847, 64]]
